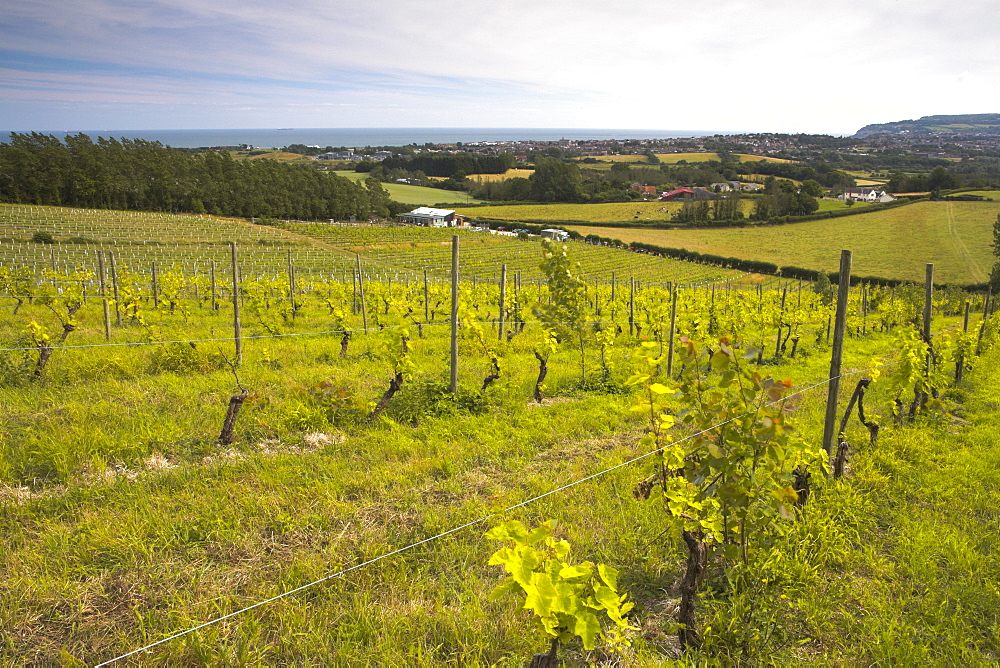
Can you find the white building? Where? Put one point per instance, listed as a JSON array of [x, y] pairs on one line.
[[556, 235], [866, 195], [429, 217]]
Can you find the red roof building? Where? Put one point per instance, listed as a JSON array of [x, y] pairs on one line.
[[680, 193]]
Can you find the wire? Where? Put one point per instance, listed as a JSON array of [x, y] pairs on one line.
[[480, 520]]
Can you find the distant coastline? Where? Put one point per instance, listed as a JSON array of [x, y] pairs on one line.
[[358, 137]]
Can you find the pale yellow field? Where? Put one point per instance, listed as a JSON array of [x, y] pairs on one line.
[[673, 158], [509, 174]]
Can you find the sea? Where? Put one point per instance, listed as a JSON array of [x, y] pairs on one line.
[[361, 137]]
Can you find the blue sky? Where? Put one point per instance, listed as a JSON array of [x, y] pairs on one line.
[[768, 65]]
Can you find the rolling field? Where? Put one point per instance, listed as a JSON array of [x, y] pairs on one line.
[[416, 195], [955, 236]]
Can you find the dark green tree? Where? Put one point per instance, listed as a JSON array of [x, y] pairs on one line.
[[941, 179], [812, 188], [556, 181]]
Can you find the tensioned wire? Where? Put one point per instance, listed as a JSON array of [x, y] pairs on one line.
[[373, 329], [472, 523]]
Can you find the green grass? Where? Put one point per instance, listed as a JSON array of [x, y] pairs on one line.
[[416, 195], [991, 194], [837, 205], [894, 243], [917, 584]]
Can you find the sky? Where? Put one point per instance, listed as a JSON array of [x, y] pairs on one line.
[[720, 65]]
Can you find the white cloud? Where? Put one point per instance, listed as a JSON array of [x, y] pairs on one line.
[[721, 64]]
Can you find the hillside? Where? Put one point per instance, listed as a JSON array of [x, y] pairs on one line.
[[893, 243], [958, 123]]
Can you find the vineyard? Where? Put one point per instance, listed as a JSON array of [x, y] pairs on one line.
[[303, 443]]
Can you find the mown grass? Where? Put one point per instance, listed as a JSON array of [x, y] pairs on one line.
[[895, 243], [836, 205]]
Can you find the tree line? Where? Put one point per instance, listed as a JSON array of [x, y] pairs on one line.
[[36, 168], [458, 165]]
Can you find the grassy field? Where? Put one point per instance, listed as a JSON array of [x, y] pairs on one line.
[[896, 243], [281, 156], [416, 195]]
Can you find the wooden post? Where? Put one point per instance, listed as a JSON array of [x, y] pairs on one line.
[[361, 293], [631, 307], [928, 301], [354, 291], [670, 336], [960, 362], [982, 325], [502, 316], [843, 289], [237, 331], [614, 285], [427, 299], [156, 293], [114, 289], [454, 314], [104, 296], [215, 302], [291, 282]]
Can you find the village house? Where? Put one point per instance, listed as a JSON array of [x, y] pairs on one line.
[[645, 191], [866, 195], [728, 186]]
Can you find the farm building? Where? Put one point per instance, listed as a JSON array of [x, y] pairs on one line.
[[686, 194], [428, 217]]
